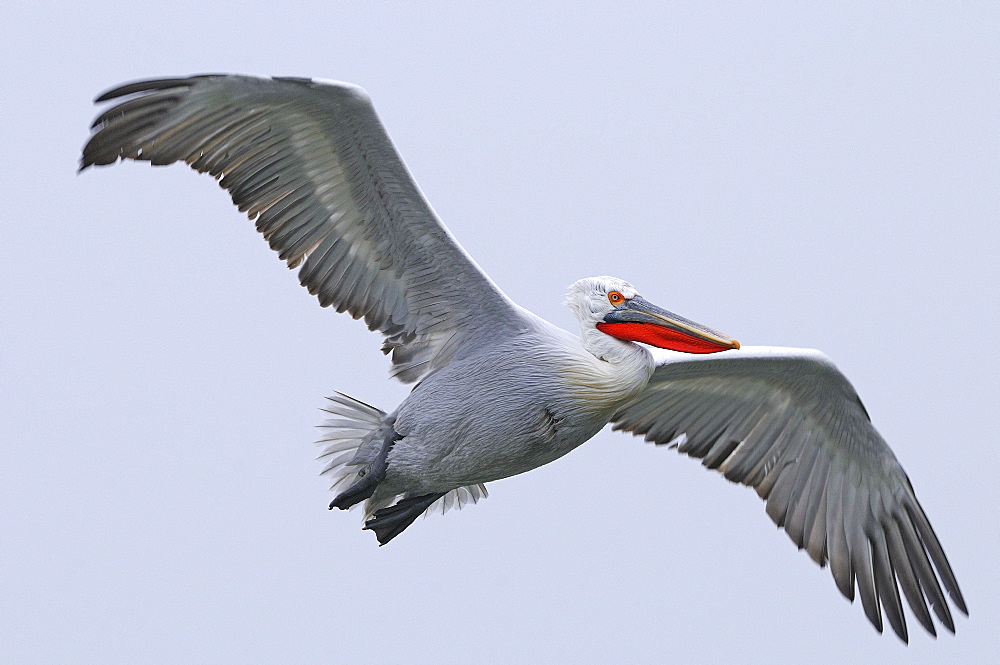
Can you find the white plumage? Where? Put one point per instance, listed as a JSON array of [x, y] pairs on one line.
[[499, 390]]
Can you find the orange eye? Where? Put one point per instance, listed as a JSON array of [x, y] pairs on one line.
[[616, 298]]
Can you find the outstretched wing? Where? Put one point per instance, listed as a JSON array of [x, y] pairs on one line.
[[312, 164], [787, 423]]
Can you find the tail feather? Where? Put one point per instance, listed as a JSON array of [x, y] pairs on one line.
[[345, 453], [354, 409], [350, 443], [458, 497]]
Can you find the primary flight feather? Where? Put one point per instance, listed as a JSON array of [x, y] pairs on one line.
[[499, 391]]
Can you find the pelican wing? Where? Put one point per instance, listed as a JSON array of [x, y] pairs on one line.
[[787, 423], [312, 164]]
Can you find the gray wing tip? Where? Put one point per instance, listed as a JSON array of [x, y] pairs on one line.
[[166, 83], [146, 86], [150, 85], [98, 152]]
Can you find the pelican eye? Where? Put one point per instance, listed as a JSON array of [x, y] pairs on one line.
[[616, 298]]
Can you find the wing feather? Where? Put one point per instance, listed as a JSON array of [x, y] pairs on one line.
[[310, 162], [788, 424], [905, 573]]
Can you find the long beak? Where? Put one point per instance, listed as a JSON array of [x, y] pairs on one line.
[[637, 320]]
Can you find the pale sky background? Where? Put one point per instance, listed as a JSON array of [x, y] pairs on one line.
[[800, 176]]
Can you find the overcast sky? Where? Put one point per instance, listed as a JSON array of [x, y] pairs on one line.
[[794, 176]]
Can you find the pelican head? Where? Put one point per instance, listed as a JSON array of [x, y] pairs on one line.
[[614, 307]]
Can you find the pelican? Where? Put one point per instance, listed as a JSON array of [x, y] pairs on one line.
[[499, 391]]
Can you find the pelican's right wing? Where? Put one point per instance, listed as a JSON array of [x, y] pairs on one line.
[[311, 163], [787, 423]]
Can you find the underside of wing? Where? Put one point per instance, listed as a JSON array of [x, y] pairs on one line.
[[310, 162], [787, 423]]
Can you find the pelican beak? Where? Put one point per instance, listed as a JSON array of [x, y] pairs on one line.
[[637, 320]]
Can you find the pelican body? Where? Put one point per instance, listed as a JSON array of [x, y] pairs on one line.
[[525, 399], [499, 391]]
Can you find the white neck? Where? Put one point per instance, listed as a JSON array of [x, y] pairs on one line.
[[610, 349], [615, 371]]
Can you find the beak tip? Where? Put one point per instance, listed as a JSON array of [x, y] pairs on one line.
[[736, 345]]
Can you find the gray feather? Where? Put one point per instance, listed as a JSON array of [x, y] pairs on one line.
[[787, 423], [311, 162]]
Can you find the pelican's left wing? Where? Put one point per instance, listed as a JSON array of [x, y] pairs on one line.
[[787, 423]]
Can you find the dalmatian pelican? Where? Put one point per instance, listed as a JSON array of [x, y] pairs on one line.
[[499, 391]]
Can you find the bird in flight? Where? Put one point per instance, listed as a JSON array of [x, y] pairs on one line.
[[499, 391]]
